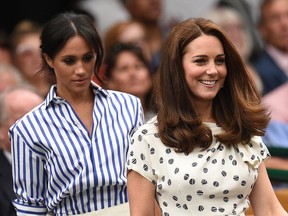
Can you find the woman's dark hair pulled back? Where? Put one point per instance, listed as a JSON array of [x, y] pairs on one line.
[[63, 27]]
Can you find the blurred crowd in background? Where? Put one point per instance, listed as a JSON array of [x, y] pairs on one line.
[[132, 32], [258, 31], [260, 34]]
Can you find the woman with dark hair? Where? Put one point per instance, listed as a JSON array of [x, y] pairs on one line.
[[127, 70], [69, 154], [203, 153]]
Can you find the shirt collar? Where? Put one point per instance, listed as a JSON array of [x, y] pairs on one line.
[[52, 97]]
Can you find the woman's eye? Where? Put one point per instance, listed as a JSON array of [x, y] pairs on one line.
[[220, 61], [200, 61], [69, 61], [88, 58]]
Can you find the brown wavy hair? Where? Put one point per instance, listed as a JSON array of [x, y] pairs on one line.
[[237, 107]]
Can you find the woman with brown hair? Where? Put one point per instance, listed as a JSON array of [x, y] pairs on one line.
[[203, 153]]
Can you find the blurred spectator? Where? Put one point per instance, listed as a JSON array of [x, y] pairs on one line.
[[129, 31], [109, 12], [277, 103], [234, 25], [272, 64], [127, 70], [14, 103], [243, 7], [277, 131], [26, 54], [148, 12], [9, 76]]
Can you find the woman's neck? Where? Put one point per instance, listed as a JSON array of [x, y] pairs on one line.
[[205, 113]]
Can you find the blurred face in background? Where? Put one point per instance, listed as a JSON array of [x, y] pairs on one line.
[[237, 33], [130, 31], [27, 58], [27, 55], [130, 75], [274, 25], [135, 34], [17, 103], [145, 10], [231, 21]]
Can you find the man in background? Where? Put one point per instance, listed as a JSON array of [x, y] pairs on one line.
[[272, 64], [14, 103]]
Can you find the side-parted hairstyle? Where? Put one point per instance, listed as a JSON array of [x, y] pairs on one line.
[[237, 107], [63, 27]]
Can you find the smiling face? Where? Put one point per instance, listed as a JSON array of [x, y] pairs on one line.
[[204, 67], [74, 67]]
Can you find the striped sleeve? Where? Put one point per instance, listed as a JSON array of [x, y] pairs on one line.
[[28, 178]]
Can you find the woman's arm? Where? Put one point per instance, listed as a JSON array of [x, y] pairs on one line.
[[141, 194], [28, 178], [263, 199]]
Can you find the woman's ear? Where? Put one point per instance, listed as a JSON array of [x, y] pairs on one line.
[[48, 60]]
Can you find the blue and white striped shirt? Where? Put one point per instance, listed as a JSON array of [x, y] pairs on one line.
[[59, 167]]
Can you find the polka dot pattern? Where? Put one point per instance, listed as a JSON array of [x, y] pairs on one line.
[[216, 181]]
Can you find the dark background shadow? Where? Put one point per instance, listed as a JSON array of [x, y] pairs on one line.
[[11, 11]]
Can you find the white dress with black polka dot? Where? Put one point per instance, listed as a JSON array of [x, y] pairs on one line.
[[213, 182]]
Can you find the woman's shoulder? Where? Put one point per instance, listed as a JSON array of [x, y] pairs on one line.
[[254, 152], [149, 128], [29, 117]]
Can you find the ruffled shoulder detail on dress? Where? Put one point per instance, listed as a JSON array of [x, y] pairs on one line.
[[254, 152]]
